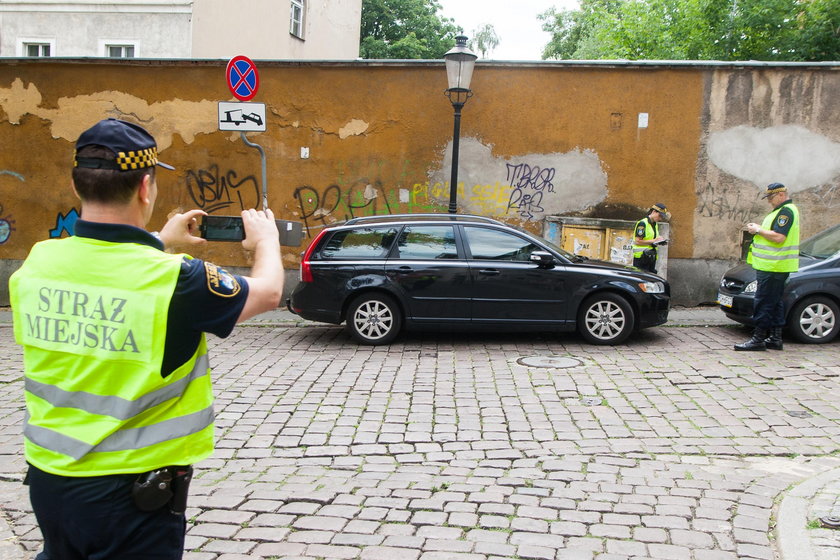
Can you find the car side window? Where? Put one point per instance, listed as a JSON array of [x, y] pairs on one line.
[[427, 242], [490, 244], [362, 243]]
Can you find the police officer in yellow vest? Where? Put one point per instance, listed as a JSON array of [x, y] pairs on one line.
[[647, 238], [774, 254], [119, 402]]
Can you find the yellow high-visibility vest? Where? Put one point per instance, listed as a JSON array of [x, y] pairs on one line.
[[650, 233], [91, 316], [776, 257]]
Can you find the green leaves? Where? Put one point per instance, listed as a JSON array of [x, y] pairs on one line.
[[405, 29], [776, 30]]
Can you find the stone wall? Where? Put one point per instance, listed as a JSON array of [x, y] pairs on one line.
[[537, 139]]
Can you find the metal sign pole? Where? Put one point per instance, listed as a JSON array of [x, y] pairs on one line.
[[262, 157]]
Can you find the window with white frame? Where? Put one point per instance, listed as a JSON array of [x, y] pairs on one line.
[[119, 50], [296, 24], [36, 48]]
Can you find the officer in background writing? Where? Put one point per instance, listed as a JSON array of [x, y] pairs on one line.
[[117, 381], [646, 238], [774, 254]]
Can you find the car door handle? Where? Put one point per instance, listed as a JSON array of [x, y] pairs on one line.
[[403, 270], [489, 271]]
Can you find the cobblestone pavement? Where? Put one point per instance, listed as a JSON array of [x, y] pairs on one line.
[[482, 447]]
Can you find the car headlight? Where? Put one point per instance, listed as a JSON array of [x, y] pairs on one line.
[[751, 287], [652, 287]]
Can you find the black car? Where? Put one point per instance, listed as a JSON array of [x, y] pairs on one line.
[[811, 297], [454, 271]]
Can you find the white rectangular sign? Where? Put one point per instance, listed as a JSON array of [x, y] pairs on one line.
[[244, 117]]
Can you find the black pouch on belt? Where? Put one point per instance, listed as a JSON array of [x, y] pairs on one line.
[[181, 477], [152, 490], [165, 486]]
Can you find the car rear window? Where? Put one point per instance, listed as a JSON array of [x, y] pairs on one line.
[[362, 243]]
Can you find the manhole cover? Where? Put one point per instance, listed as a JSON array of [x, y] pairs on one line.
[[830, 522], [549, 361], [799, 413], [591, 401]]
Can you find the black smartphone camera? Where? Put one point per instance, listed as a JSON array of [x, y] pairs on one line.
[[222, 228], [230, 228]]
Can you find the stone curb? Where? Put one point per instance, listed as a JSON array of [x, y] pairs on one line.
[[794, 542]]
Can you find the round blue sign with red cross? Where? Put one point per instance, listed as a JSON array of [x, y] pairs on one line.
[[242, 78]]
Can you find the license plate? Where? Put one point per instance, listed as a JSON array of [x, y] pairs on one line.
[[724, 300]]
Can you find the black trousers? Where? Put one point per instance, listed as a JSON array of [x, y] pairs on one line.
[[768, 309], [646, 263], [94, 518]]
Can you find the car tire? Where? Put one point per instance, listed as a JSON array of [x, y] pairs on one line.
[[814, 320], [605, 319], [374, 319]]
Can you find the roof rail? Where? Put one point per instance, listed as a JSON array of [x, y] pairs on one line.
[[386, 217]]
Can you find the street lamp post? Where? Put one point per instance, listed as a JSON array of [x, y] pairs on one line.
[[460, 61]]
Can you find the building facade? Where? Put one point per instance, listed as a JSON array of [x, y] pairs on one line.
[[260, 29]]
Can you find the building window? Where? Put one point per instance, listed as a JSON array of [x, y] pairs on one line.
[[119, 51], [296, 27], [37, 49]]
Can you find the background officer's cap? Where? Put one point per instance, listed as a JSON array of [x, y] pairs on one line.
[[659, 207], [132, 144], [773, 188]]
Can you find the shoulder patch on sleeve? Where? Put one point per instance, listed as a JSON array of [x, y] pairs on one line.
[[782, 220], [220, 282]]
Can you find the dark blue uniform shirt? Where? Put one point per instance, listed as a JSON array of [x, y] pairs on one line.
[[206, 298]]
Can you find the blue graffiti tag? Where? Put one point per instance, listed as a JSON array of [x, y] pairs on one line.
[[65, 222]]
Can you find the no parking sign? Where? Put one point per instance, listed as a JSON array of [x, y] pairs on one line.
[[242, 78]]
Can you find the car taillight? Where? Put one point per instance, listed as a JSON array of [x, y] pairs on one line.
[[305, 265]]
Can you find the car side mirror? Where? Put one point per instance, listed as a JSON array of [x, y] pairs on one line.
[[542, 258]]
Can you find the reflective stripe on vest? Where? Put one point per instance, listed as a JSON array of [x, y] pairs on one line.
[[776, 257], [124, 440], [113, 406], [650, 233]]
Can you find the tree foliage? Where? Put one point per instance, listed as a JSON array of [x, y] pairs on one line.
[[484, 40], [772, 30], [405, 29]]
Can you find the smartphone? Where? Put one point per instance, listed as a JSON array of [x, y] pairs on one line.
[[230, 228], [222, 228]]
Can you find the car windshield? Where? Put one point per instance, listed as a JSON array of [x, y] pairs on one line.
[[822, 245]]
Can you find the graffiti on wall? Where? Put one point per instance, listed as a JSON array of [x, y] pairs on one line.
[[725, 202], [7, 226], [65, 223], [527, 187], [334, 203], [213, 190]]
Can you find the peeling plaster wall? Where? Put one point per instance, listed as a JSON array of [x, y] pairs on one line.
[[536, 140], [763, 126]]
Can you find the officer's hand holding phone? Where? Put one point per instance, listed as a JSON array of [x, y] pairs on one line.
[[182, 229], [260, 227]]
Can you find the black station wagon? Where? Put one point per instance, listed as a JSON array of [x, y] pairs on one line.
[[382, 274]]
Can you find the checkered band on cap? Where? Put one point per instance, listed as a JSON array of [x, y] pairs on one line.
[[137, 160]]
